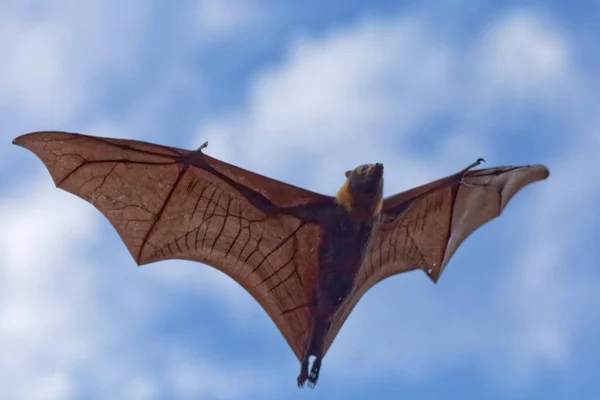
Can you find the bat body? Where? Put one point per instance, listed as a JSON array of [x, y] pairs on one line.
[[305, 257], [348, 228]]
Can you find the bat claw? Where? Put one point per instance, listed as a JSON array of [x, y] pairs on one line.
[[312, 377], [303, 374], [476, 163], [203, 146], [314, 373]]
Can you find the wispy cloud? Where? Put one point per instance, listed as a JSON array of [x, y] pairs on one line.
[[45, 305], [58, 57], [554, 302], [218, 19]]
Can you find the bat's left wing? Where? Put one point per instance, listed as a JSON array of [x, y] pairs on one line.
[[423, 227]]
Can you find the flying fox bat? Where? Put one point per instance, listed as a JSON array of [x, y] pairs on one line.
[[305, 257]]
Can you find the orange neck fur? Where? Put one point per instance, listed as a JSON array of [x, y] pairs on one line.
[[345, 198], [378, 207]]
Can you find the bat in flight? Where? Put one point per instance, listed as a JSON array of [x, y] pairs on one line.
[[306, 258]]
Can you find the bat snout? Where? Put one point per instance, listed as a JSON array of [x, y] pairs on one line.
[[378, 169]]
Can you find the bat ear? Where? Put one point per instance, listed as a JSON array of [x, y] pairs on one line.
[[348, 173]]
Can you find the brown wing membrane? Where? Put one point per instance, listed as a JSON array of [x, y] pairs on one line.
[[423, 227], [169, 203]]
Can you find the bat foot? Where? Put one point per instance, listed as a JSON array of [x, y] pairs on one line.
[[303, 374], [314, 373], [312, 377]]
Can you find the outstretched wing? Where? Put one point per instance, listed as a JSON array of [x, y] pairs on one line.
[[423, 227], [170, 203]]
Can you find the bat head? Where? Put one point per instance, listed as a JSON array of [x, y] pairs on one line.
[[366, 180]]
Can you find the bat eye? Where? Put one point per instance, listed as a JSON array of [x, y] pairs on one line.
[[362, 169]]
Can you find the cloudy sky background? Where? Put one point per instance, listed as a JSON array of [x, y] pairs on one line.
[[302, 92]]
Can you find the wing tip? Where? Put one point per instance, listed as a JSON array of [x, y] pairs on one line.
[[535, 173], [542, 169], [19, 140], [24, 139]]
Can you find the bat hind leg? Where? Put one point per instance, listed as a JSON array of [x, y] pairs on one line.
[[314, 373], [314, 348], [303, 373]]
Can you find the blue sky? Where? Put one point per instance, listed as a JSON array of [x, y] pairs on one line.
[[301, 92]]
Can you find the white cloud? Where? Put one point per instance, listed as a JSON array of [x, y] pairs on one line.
[[39, 312], [54, 60], [554, 302], [526, 54], [219, 19], [210, 282], [226, 381]]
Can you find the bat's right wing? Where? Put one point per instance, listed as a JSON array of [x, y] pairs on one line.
[[170, 203], [423, 227]]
